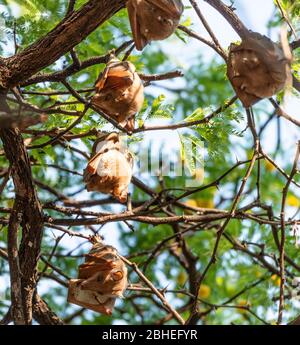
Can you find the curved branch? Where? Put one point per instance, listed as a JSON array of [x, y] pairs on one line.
[[230, 16], [43, 314], [66, 35]]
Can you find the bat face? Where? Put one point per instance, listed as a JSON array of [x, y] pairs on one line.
[[153, 20], [102, 278], [110, 168], [119, 92], [257, 69]]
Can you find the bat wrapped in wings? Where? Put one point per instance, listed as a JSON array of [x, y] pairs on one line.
[[153, 20], [110, 168], [119, 92], [101, 280], [257, 68]]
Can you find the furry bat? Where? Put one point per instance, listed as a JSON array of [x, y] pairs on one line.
[[110, 168], [153, 20], [102, 278], [119, 92], [257, 68]]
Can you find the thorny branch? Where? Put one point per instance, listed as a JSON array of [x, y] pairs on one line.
[[17, 74]]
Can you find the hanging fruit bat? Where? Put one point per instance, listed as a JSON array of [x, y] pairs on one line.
[[153, 20], [119, 92], [101, 279], [257, 68], [110, 168]]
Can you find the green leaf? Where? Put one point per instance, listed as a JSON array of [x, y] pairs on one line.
[[160, 110]]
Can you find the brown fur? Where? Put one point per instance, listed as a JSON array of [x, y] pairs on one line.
[[153, 20], [257, 69], [109, 171], [101, 279], [119, 92]]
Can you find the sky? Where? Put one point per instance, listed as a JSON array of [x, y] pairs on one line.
[[255, 14]]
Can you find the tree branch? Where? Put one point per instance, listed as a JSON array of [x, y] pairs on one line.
[[17, 313], [230, 16], [66, 35], [31, 217], [283, 235], [43, 314], [155, 291]]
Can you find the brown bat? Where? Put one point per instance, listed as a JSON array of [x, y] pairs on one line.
[[119, 92], [110, 168], [257, 68], [153, 20], [101, 279]]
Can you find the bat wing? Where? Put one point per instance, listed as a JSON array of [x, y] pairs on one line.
[[114, 77], [139, 40], [87, 270], [102, 278], [173, 7], [89, 299], [101, 253], [118, 82], [93, 164], [119, 76], [102, 79]]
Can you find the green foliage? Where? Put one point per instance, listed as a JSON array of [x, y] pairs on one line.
[[203, 89], [191, 147], [160, 110]]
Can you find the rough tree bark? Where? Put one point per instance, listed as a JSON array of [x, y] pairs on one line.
[[43, 314], [66, 35], [27, 212]]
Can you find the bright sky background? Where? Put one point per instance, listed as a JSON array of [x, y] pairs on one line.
[[255, 14]]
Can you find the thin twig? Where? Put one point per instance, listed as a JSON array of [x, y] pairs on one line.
[[282, 241], [154, 289]]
